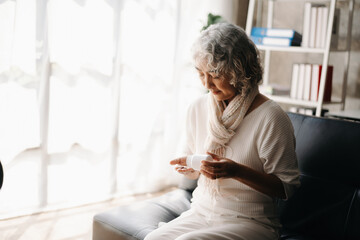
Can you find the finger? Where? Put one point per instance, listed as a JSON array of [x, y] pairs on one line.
[[185, 170], [217, 157], [181, 161], [215, 164], [182, 168], [214, 156], [212, 170]]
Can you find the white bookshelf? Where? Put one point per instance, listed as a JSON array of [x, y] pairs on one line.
[[298, 102], [324, 52], [292, 49]]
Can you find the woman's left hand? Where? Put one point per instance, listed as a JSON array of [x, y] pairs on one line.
[[226, 168], [220, 168]]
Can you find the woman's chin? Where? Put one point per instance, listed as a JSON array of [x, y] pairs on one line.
[[218, 98], [221, 97]]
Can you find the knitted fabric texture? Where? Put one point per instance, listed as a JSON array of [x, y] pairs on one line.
[[223, 121]]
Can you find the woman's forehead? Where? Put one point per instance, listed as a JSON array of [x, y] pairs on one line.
[[207, 70], [204, 66]]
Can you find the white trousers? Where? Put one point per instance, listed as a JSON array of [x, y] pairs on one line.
[[192, 225]]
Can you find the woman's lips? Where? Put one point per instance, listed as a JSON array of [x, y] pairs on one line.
[[215, 92]]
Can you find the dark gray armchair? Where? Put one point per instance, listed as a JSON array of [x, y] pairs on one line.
[[326, 206]]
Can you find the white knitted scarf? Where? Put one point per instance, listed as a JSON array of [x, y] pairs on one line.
[[223, 120]]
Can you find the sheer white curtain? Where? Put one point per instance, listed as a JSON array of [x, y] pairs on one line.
[[92, 96]]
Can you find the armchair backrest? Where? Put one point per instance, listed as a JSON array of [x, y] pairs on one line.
[[327, 203]]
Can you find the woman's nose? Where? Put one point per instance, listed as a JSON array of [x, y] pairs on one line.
[[208, 81]]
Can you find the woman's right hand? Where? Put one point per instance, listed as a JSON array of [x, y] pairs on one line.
[[182, 168]]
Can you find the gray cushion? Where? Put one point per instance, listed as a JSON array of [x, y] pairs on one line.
[[138, 219], [187, 184]]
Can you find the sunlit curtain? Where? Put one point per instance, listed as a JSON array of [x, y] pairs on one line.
[[107, 116]]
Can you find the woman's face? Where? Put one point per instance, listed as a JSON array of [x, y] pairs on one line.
[[218, 84]]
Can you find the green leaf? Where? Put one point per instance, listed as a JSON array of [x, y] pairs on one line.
[[213, 19]]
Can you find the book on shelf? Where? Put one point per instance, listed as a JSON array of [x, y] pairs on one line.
[[312, 32], [315, 25], [274, 41], [294, 81], [275, 36], [314, 84], [305, 82], [300, 82], [324, 14], [276, 32], [306, 25], [328, 83], [321, 26]]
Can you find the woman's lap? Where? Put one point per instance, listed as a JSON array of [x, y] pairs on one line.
[[192, 226]]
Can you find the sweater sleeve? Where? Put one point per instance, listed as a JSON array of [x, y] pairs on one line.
[[277, 150]]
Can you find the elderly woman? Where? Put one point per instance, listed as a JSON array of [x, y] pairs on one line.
[[250, 139]]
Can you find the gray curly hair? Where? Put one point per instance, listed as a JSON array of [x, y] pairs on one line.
[[228, 50]]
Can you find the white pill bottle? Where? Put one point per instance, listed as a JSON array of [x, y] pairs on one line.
[[194, 161]]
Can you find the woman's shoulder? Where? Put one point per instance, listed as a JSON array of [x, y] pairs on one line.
[[273, 108], [271, 112], [277, 116], [270, 107]]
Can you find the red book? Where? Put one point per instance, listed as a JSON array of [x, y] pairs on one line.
[[328, 83]]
